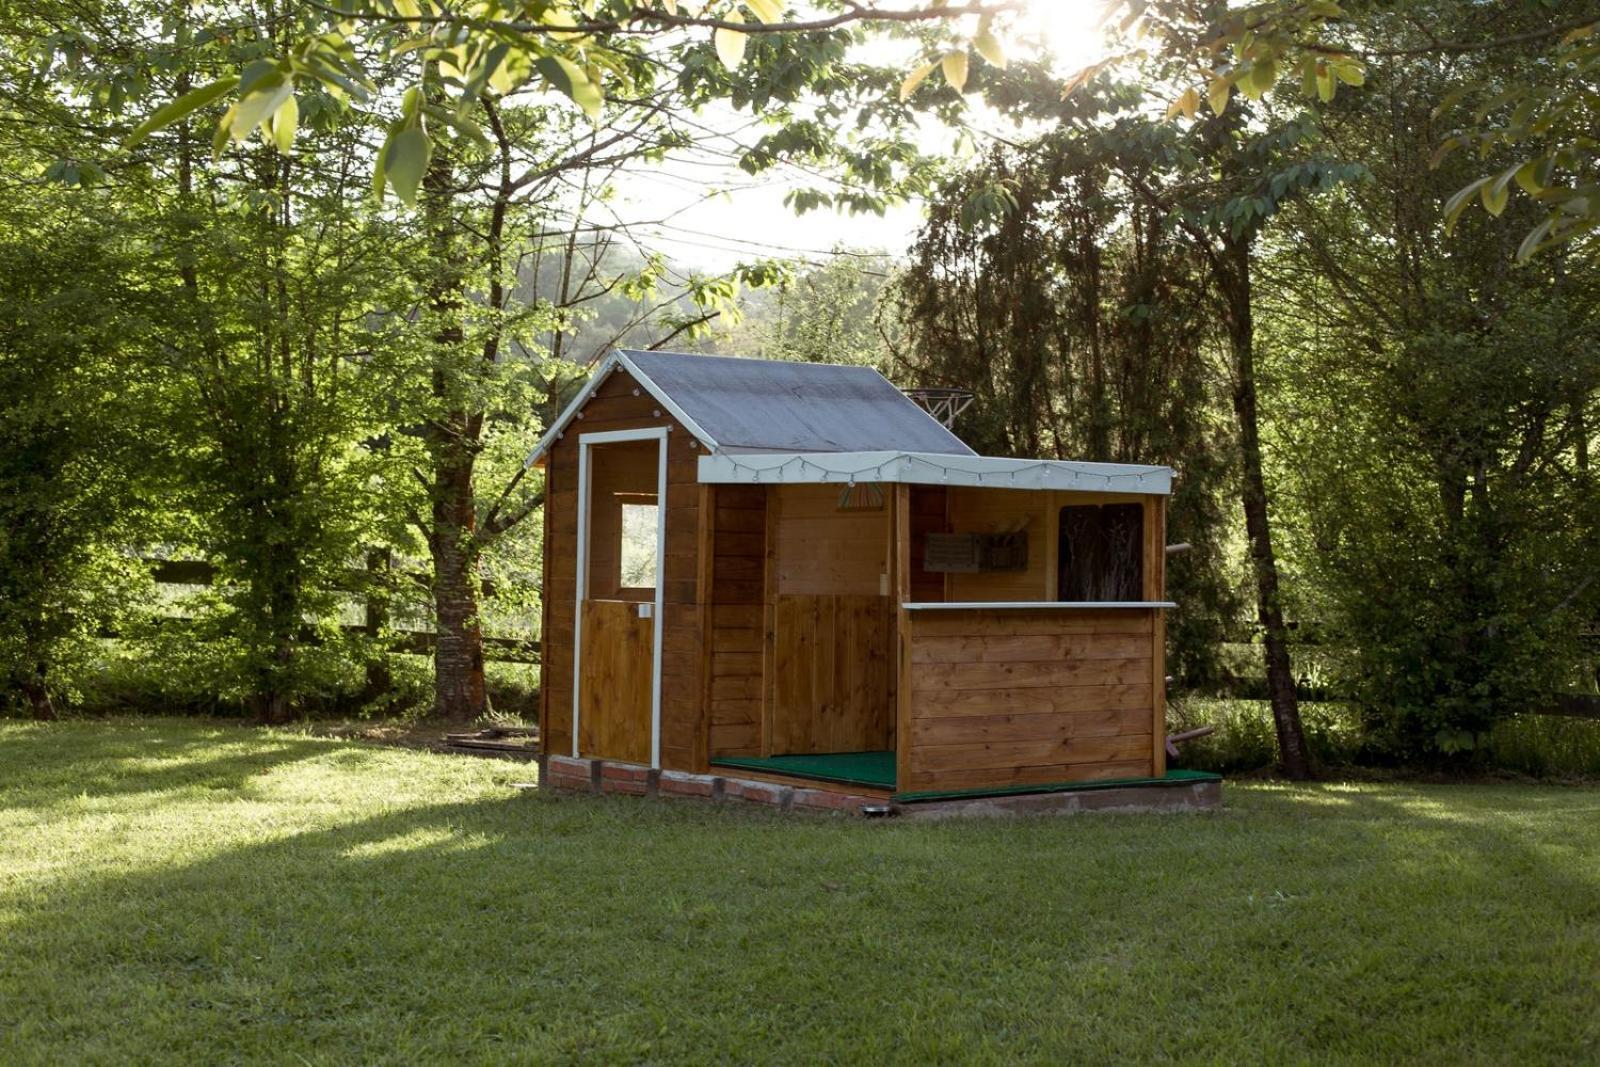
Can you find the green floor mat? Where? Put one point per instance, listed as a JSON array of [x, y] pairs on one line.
[[851, 768]]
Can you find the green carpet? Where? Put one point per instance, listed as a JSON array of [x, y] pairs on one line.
[[851, 768], [877, 769]]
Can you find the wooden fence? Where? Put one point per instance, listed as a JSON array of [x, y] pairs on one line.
[[417, 642]]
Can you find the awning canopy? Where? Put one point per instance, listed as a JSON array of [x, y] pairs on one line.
[[931, 468]]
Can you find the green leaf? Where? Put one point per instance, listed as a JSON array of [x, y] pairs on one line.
[[569, 78], [1495, 195], [406, 161], [954, 65], [1534, 240], [173, 110], [1531, 176], [257, 105], [730, 43], [765, 10], [1326, 84], [284, 121], [379, 170], [988, 46], [1186, 105], [1350, 72], [1218, 92], [1458, 202], [916, 78], [1264, 75]]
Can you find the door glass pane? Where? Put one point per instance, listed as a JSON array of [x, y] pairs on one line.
[[639, 531]]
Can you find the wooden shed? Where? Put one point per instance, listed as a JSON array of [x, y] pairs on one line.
[[791, 571]]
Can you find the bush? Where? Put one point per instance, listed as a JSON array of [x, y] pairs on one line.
[[1546, 746], [1245, 739]]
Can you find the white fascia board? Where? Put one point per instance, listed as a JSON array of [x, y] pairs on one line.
[[667, 402], [1025, 605], [612, 361], [927, 468]]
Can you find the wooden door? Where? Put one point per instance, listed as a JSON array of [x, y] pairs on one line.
[[618, 653], [831, 662]]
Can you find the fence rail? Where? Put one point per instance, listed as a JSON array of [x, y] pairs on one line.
[[417, 642]]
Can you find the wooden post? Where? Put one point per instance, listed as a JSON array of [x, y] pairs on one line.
[[769, 619], [900, 590], [545, 595], [1155, 588], [705, 546]]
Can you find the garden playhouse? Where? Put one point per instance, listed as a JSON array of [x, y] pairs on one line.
[[791, 573]]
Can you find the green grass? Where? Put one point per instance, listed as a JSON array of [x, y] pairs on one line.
[[186, 892]]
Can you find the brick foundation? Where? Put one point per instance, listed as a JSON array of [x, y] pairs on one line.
[[629, 779], [684, 784], [769, 793], [568, 774], [571, 774]]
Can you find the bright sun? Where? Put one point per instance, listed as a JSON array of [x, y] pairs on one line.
[[1069, 27]]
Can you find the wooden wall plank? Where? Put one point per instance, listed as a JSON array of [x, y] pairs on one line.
[[821, 550], [1029, 674], [977, 509], [736, 637], [1026, 697], [1009, 649]]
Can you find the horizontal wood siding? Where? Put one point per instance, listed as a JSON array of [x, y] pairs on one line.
[[738, 556], [1003, 698], [821, 550], [614, 407], [977, 510]]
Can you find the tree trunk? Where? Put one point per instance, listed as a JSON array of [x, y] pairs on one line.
[[275, 685], [375, 612], [454, 436], [458, 653], [33, 687], [1292, 755]]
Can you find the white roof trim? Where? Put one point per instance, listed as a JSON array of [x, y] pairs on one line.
[[615, 360], [931, 468], [1010, 605]]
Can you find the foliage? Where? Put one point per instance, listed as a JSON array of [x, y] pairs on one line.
[[70, 466], [1543, 115], [1082, 327], [1546, 746], [1245, 740], [827, 313], [1434, 431]]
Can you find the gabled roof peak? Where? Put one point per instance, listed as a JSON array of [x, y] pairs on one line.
[[734, 404]]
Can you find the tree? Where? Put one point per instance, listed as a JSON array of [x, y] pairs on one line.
[[67, 469], [1437, 418], [1542, 114], [1082, 322]]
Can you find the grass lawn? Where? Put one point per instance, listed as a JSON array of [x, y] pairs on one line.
[[181, 892]]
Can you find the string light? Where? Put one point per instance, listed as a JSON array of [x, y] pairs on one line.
[[1042, 469]]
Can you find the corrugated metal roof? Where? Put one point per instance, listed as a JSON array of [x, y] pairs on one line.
[[764, 405]]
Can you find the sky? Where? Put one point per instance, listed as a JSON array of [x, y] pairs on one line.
[[747, 219]]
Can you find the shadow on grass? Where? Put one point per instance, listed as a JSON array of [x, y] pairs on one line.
[[70, 761], [1320, 922]]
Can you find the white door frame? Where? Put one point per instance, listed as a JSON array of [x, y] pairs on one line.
[[657, 434]]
